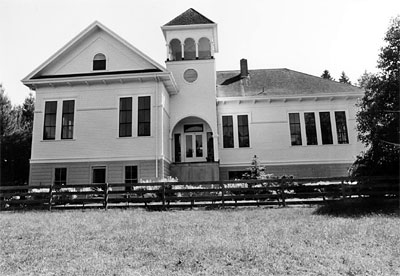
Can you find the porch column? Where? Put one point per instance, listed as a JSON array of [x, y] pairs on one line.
[[216, 154]]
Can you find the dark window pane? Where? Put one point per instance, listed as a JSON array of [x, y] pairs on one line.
[[144, 116], [210, 147], [189, 146], [177, 143], [125, 117], [131, 176], [243, 131], [227, 130], [295, 129], [311, 131], [60, 176], [99, 62], [99, 175], [50, 115], [341, 127], [68, 119], [326, 129]]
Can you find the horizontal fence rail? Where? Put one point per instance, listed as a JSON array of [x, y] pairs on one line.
[[164, 195]]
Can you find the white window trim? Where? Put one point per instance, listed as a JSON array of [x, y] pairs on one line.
[[235, 130], [135, 110], [97, 166], [59, 113], [318, 127]]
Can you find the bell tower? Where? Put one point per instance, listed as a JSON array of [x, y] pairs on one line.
[[191, 45]]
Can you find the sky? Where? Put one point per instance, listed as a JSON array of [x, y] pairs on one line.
[[307, 36]]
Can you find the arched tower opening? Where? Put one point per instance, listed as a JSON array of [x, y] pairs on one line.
[[175, 49], [204, 48], [190, 49]]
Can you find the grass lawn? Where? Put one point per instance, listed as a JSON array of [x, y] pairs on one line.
[[247, 241]]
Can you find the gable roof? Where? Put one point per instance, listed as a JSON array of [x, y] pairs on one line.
[[189, 17], [148, 68], [95, 26], [278, 83]]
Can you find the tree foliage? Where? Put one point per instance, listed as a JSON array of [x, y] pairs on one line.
[[378, 117], [344, 78], [16, 139], [326, 75], [364, 79]]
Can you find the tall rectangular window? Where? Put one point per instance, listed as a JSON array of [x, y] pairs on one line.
[[125, 117], [50, 115], [227, 130], [326, 128], [60, 176], [67, 130], [311, 131], [243, 131], [144, 116], [295, 129], [341, 127]]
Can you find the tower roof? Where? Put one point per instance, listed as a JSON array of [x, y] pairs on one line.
[[189, 17]]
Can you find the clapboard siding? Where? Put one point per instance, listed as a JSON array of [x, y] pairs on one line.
[[301, 170], [80, 172], [270, 133]]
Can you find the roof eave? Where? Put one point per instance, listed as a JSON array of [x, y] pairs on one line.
[[165, 77], [283, 98]]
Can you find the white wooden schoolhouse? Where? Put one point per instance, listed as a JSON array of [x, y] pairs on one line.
[[107, 112]]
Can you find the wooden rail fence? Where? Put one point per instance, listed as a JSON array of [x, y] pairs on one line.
[[164, 195]]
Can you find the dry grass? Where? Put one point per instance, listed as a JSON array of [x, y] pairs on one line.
[[249, 241]]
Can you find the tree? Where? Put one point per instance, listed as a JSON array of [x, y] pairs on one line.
[[364, 79], [16, 138], [378, 117], [326, 75], [344, 79]]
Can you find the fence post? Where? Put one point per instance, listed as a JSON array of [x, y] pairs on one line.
[[50, 196], [283, 184], [223, 195], [163, 195], [105, 196], [343, 190]]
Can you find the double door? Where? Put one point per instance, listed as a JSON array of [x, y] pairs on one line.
[[195, 147]]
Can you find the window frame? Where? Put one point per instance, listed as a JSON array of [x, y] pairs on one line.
[[60, 182], [140, 112], [129, 121], [328, 129], [67, 126], [247, 129], [45, 137], [293, 125], [99, 64], [312, 128], [345, 131], [231, 141]]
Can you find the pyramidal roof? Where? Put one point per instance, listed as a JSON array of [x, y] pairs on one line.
[[189, 17]]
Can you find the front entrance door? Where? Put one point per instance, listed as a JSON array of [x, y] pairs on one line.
[[195, 147]]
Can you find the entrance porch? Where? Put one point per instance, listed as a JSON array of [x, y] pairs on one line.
[[194, 151]]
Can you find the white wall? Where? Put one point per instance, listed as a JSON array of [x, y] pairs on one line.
[[78, 59], [270, 133], [96, 123]]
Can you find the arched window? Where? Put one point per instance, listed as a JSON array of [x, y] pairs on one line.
[[204, 48], [190, 49], [175, 49], [99, 62]]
